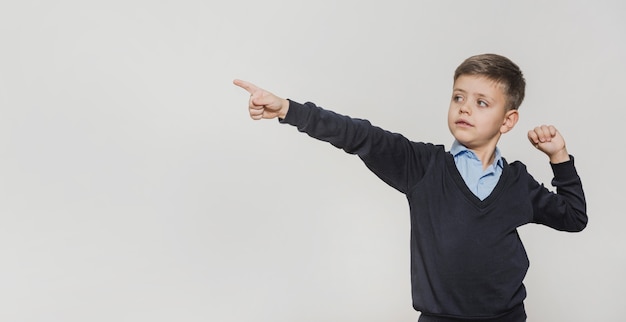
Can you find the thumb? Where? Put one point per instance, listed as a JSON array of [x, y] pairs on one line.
[[262, 98]]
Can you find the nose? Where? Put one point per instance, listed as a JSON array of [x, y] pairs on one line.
[[465, 108]]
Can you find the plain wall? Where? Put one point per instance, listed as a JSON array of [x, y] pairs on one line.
[[134, 186]]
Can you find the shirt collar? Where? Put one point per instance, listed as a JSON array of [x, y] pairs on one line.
[[458, 149]]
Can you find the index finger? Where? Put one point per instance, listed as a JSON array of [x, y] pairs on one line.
[[251, 88]]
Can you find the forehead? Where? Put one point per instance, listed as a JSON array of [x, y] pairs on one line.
[[481, 85]]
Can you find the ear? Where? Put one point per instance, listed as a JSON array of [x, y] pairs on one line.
[[510, 119]]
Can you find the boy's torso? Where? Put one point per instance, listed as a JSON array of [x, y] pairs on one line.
[[467, 258]]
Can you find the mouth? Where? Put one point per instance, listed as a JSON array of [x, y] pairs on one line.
[[463, 123]]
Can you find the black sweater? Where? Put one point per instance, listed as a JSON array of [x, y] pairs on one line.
[[467, 260]]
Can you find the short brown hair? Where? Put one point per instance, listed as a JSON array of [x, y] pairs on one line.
[[499, 69]]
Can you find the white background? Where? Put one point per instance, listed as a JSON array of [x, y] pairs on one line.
[[134, 186]]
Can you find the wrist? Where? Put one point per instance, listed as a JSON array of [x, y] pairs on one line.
[[559, 157], [283, 109]]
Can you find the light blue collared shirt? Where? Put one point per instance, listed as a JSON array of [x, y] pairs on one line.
[[480, 182]]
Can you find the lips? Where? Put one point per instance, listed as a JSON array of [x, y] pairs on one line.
[[463, 123]]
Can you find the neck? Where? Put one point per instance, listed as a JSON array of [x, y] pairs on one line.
[[486, 154], [486, 157]]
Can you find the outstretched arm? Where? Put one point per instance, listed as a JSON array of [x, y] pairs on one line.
[[263, 104], [392, 157], [548, 140]]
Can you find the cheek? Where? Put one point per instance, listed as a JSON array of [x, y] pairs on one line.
[[451, 115], [451, 110], [497, 121]]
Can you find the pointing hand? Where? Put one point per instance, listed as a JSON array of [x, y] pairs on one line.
[[263, 104]]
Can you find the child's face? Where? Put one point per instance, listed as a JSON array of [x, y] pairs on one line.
[[477, 115]]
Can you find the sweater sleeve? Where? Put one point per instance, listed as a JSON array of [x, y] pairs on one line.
[[388, 155], [565, 210]]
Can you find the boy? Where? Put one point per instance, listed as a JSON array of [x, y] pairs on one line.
[[467, 260]]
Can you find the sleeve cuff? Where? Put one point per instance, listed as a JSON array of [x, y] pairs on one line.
[[296, 112], [564, 169]]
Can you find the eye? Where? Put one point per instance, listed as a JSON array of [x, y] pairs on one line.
[[457, 98], [482, 103]]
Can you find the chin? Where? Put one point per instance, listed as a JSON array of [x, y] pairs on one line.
[[468, 143], [461, 138]]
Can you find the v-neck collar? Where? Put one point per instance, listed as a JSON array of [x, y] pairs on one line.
[[470, 196]]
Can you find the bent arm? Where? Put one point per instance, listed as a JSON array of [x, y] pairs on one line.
[[565, 210]]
